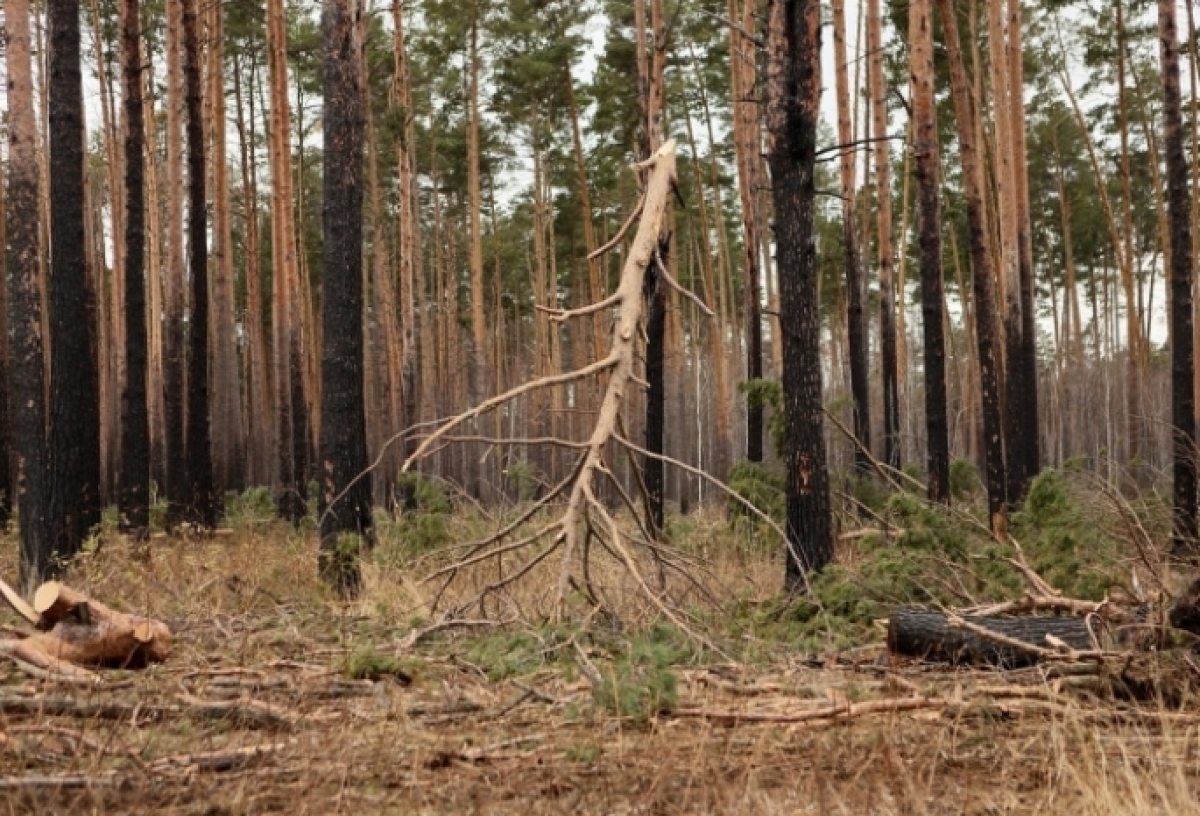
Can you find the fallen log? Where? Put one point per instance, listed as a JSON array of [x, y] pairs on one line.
[[934, 636]]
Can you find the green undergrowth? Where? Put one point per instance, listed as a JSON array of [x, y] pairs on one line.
[[637, 670], [927, 555]]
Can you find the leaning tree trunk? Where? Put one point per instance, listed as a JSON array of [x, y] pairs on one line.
[[1183, 407], [929, 220], [794, 93], [345, 480], [74, 380], [134, 474], [25, 302]]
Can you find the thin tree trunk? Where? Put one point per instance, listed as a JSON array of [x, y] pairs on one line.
[[410, 245], [480, 366], [856, 315], [883, 186], [228, 443], [746, 147]]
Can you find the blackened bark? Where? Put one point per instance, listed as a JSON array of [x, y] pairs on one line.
[[754, 368], [794, 89], [134, 467], [860, 370], [929, 636], [929, 228], [201, 501], [345, 481], [982, 271], [7, 459], [1183, 405], [28, 396], [656, 395], [74, 380]]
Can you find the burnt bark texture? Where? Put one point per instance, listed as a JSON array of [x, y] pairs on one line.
[[1179, 203], [202, 506], [74, 448], [929, 636], [656, 394], [28, 370], [134, 468], [345, 484], [929, 230], [982, 271], [174, 396], [794, 90]]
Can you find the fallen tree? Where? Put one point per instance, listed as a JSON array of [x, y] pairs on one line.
[[74, 633]]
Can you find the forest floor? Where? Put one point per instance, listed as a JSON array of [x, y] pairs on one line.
[[277, 699]]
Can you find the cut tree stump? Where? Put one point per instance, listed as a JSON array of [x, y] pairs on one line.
[[930, 636]]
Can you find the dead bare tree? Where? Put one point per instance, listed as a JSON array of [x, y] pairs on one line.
[[581, 528]]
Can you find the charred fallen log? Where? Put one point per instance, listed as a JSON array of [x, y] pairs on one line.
[[933, 636]]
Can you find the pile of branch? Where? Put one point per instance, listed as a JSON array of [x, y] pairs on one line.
[[74, 633]]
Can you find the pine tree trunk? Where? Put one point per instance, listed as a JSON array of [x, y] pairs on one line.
[[1026, 408], [134, 475], [929, 221], [260, 430], [981, 272], [173, 348], [155, 406], [746, 148], [200, 496], [74, 410], [794, 92], [883, 186], [25, 304], [480, 368], [856, 315], [228, 440], [410, 246], [345, 481], [291, 488], [1183, 408]]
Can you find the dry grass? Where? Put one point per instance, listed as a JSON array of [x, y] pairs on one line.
[[448, 731]]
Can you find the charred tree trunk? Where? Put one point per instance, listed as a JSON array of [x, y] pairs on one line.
[[201, 500], [173, 346], [929, 220], [345, 481], [28, 396], [74, 378], [929, 636], [794, 92], [1183, 408], [134, 473]]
